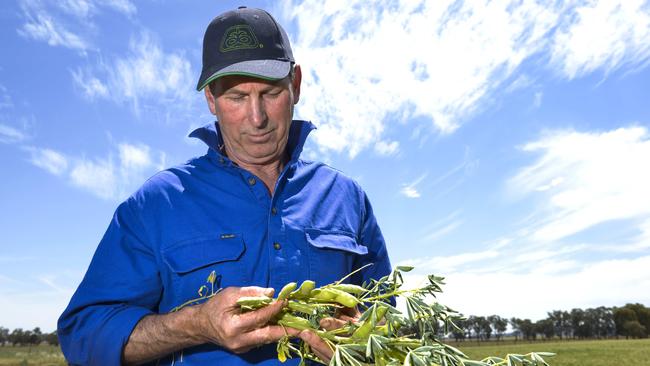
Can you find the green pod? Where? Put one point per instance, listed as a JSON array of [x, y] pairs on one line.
[[350, 288], [306, 287], [325, 295], [301, 307], [253, 302], [368, 325], [286, 290], [304, 290], [345, 298], [295, 322]]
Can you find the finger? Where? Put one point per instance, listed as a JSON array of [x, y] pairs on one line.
[[318, 346], [349, 319], [260, 317], [332, 323], [256, 291], [268, 334]]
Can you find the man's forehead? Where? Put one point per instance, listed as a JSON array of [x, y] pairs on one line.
[[227, 82]]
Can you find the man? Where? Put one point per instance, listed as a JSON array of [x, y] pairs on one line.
[[247, 217]]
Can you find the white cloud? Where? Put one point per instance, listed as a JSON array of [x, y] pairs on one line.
[[537, 101], [41, 26], [67, 23], [378, 62], [147, 73], [386, 148], [409, 189], [125, 7], [10, 134], [532, 294], [90, 85], [606, 34], [50, 160], [594, 177], [5, 98], [110, 177]]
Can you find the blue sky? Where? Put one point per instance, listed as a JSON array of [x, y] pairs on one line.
[[503, 145]]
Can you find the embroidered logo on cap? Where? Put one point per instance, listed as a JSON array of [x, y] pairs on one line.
[[239, 37]]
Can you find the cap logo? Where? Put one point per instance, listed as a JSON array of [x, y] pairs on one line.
[[239, 37]]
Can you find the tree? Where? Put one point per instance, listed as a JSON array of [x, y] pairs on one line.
[[634, 329], [17, 336], [4, 336], [621, 317], [546, 327], [516, 329], [561, 322], [499, 324], [460, 332], [51, 338], [35, 336]]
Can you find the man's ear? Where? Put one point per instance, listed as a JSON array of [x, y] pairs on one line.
[[210, 99], [295, 84]]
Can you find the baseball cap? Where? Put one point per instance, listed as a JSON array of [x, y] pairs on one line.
[[245, 41]]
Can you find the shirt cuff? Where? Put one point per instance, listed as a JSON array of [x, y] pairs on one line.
[[113, 337]]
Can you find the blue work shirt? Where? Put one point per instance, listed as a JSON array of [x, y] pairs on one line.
[[209, 215]]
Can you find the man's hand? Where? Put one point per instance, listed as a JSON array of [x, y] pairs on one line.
[[221, 321], [218, 320], [320, 347]]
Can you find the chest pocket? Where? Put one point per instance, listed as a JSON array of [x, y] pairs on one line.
[[332, 254], [192, 261]]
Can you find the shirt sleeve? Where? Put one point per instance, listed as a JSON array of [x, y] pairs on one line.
[[372, 238], [121, 286]]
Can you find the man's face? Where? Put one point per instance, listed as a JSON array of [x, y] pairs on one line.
[[254, 116]]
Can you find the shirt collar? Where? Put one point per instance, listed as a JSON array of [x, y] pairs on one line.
[[210, 134]]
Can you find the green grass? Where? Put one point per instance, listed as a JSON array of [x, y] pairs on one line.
[[35, 355], [571, 353]]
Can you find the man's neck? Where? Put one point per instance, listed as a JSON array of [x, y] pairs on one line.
[[268, 173]]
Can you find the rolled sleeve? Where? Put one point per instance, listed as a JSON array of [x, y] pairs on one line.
[[121, 286]]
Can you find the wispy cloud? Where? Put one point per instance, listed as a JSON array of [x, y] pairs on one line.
[[410, 189], [585, 178], [443, 60], [40, 25], [532, 294], [146, 75], [10, 134], [387, 148], [67, 23], [50, 160], [603, 34], [112, 177]]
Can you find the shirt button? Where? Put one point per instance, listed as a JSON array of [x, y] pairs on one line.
[[277, 246], [251, 181], [222, 160], [274, 210]]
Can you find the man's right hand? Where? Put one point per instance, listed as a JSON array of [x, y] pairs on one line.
[[220, 320]]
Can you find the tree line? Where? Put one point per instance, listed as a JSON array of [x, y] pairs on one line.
[[629, 321], [20, 337]]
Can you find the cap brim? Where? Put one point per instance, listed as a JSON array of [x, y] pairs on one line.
[[263, 69]]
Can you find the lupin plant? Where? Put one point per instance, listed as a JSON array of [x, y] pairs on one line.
[[383, 335]]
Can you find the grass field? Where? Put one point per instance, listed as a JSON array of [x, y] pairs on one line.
[[572, 353], [569, 353], [38, 355]]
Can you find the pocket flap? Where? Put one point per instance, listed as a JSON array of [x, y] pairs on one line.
[[334, 240], [190, 255]]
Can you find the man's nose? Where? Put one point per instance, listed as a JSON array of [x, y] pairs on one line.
[[257, 112]]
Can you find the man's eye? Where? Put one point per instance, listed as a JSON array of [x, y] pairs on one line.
[[236, 97]]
